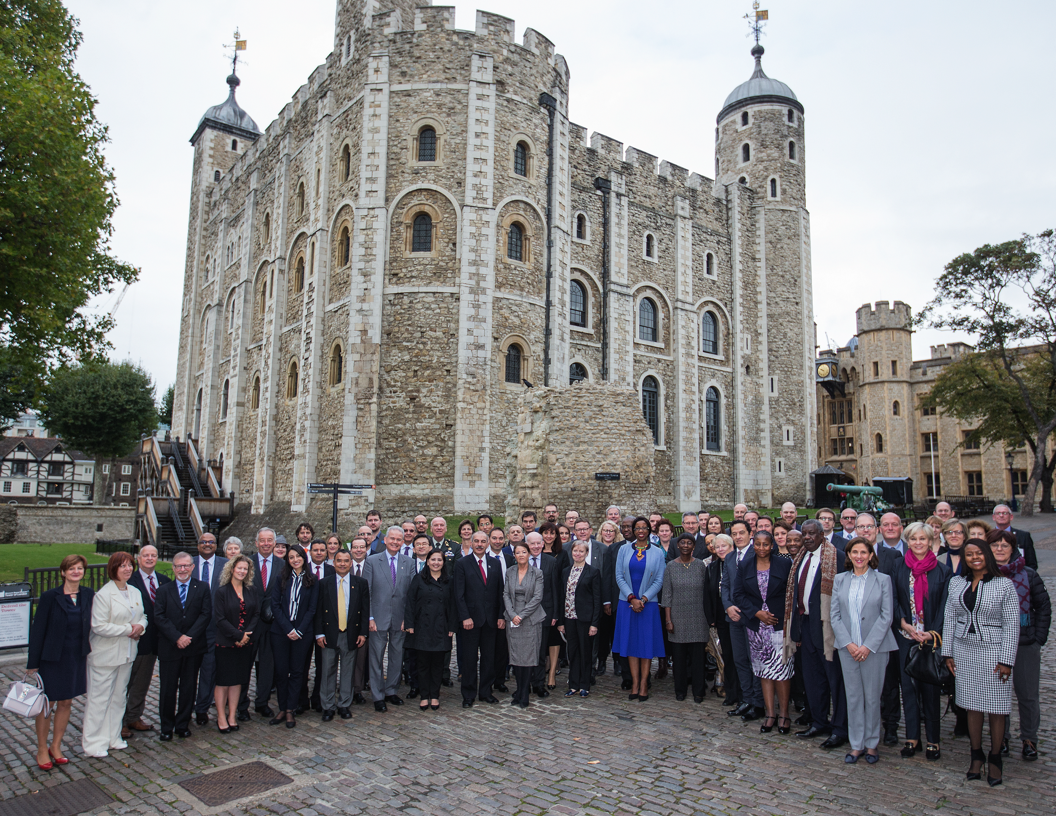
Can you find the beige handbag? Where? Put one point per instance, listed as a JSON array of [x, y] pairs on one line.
[[25, 699]]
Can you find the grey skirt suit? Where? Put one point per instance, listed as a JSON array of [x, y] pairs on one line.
[[526, 600]]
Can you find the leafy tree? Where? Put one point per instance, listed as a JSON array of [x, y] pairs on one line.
[[56, 198], [100, 408], [1005, 294], [165, 409], [16, 391]]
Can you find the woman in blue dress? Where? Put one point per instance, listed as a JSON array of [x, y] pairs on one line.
[[639, 636]]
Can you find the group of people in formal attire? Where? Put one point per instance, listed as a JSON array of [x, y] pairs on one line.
[[767, 612]]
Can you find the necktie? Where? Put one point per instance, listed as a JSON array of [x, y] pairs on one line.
[[318, 572], [183, 594], [358, 568], [803, 583], [342, 606], [152, 588], [392, 566], [535, 562], [739, 554], [420, 565], [205, 572], [483, 571], [264, 572]]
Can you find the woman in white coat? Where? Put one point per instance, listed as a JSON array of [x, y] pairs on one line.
[[861, 614], [118, 621]]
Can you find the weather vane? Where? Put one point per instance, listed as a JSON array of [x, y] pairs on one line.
[[755, 21], [240, 45]]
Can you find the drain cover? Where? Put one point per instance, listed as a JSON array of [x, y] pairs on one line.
[[62, 800], [225, 786]]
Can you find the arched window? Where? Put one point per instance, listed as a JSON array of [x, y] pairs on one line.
[[427, 145], [267, 227], [231, 313], [577, 304], [348, 46], [879, 443], [773, 188], [234, 144], [515, 242], [744, 118], [337, 365], [709, 334], [743, 180], [291, 380], [223, 399], [513, 364], [422, 233], [651, 406], [746, 152], [216, 176], [263, 300], [709, 264], [791, 116], [344, 241], [712, 415], [650, 245], [520, 159], [298, 275], [254, 396], [896, 409], [581, 227], [345, 166], [647, 328], [792, 150], [300, 199], [577, 372]]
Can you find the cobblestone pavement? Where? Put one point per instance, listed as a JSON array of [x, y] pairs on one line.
[[603, 755]]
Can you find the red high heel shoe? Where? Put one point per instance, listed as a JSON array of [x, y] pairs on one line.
[[58, 760]]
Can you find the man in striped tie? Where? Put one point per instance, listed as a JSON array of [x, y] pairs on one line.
[[147, 581]]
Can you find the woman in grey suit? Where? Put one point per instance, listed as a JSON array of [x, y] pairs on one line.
[[861, 614], [523, 599]]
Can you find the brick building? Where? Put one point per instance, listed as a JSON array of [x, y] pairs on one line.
[[373, 280]]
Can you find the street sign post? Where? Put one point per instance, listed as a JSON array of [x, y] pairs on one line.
[[337, 490]]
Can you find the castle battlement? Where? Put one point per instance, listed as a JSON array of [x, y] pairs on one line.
[[442, 17], [884, 316]]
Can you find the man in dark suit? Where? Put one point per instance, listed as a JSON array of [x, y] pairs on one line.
[[267, 574], [389, 575], [183, 612], [505, 560], [341, 617], [552, 593], [478, 597], [827, 519], [207, 568], [751, 707], [1024, 541], [320, 569], [147, 581], [814, 568], [358, 548], [691, 525]]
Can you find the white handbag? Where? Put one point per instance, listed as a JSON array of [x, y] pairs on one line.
[[25, 699]]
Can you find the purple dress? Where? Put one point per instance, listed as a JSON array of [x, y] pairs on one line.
[[766, 645]]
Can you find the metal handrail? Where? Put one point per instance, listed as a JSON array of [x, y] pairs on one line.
[[195, 516], [174, 514]]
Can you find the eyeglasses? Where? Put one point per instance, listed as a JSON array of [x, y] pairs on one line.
[[954, 533], [864, 526]]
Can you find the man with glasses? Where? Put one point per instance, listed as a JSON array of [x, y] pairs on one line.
[[207, 568], [1024, 542], [848, 517]]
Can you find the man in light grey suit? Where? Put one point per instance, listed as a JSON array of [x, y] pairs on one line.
[[207, 568], [389, 574]]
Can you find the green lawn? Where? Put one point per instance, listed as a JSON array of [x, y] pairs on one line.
[[14, 558]]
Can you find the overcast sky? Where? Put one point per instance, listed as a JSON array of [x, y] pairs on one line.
[[929, 126]]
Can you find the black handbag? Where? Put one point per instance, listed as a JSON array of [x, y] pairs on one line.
[[925, 664]]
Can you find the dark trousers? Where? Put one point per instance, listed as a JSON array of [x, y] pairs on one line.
[[824, 681], [290, 659], [731, 682], [917, 698], [177, 687], [890, 704], [751, 689], [523, 676], [265, 675], [473, 643], [138, 686], [580, 654], [430, 667], [410, 666], [359, 672], [688, 662], [305, 698], [502, 659], [799, 690]]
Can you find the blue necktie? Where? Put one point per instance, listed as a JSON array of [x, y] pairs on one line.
[[183, 594], [205, 572]]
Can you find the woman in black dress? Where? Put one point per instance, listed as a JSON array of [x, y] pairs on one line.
[[58, 650], [429, 619], [721, 545], [292, 631], [552, 546], [236, 610]]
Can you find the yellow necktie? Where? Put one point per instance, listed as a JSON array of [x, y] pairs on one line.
[[342, 607]]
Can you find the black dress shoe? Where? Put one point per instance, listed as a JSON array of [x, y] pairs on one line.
[[812, 732], [601, 668], [491, 698], [1004, 747], [501, 687], [165, 737], [358, 699], [697, 699], [183, 733], [201, 719], [394, 699], [344, 713], [742, 709], [541, 692], [753, 713], [264, 711], [467, 704], [731, 701], [834, 742], [803, 719], [379, 705], [891, 737], [316, 705], [680, 697], [243, 716], [412, 694], [626, 685], [1030, 752], [328, 716]]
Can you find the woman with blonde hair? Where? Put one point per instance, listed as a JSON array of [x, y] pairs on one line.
[[236, 611]]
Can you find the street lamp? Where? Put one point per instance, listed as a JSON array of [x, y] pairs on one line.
[[1009, 458]]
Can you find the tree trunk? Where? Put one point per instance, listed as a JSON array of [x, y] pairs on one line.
[[1046, 485], [1036, 472], [106, 498]]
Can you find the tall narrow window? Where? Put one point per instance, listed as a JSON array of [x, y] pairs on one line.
[[651, 406], [254, 397], [223, 399], [344, 241], [709, 264], [267, 227], [712, 437], [337, 365], [879, 443], [647, 329], [291, 380], [298, 275], [896, 409], [513, 363], [234, 144], [773, 188], [263, 296], [216, 176], [427, 145], [746, 152], [791, 116], [792, 150], [576, 373], [346, 163], [650, 245], [744, 118], [422, 233], [581, 227], [300, 199], [709, 334], [578, 304], [520, 159], [515, 243]]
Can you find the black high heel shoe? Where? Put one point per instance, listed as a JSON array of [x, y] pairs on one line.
[[766, 729], [980, 757], [784, 729], [278, 719], [994, 761]]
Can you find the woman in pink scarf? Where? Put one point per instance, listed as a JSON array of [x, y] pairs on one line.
[[920, 603]]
